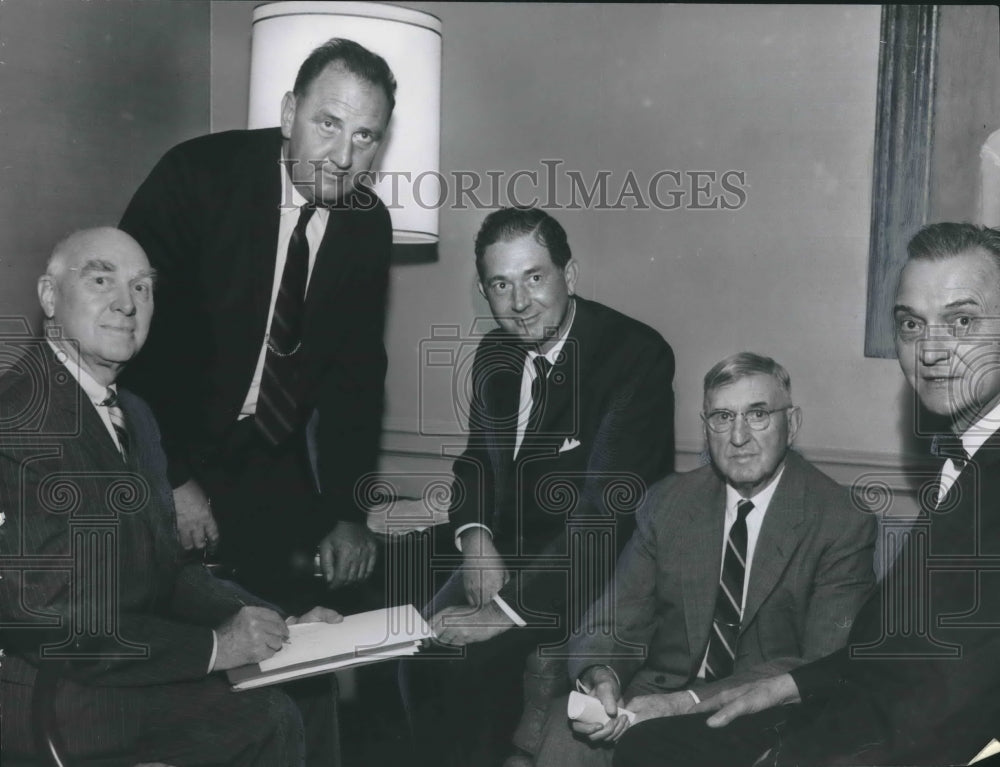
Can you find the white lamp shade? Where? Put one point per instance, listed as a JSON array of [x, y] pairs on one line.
[[408, 181]]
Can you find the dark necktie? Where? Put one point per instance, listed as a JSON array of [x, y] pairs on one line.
[[729, 602], [277, 404], [950, 446], [117, 421], [539, 391]]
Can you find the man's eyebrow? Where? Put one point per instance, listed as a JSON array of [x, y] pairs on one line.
[[903, 308], [962, 302], [150, 274], [98, 265], [326, 114]]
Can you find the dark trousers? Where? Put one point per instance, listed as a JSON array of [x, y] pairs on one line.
[[187, 724], [686, 741], [464, 703], [270, 521]]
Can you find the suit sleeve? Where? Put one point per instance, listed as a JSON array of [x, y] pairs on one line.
[[473, 496], [149, 646], [165, 220], [633, 447], [620, 625], [351, 398], [843, 580]]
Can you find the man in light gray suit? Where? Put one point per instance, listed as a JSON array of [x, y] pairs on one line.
[[755, 563]]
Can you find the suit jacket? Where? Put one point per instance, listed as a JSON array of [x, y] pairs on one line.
[[921, 687], [207, 217], [811, 571], [69, 502], [606, 434]]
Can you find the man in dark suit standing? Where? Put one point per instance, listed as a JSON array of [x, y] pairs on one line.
[[738, 570], [917, 683], [92, 573], [571, 418], [273, 257]]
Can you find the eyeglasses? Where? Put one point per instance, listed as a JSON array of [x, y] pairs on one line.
[[757, 418]]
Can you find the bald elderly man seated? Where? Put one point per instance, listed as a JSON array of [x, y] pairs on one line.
[[83, 486]]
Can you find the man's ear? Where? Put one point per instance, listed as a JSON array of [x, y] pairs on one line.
[[47, 295], [794, 422], [287, 115], [570, 272]]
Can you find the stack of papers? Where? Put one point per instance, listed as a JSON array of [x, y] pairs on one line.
[[319, 648]]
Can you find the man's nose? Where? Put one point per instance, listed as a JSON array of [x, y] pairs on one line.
[[124, 301], [519, 299], [341, 153], [934, 354], [739, 433], [936, 347]]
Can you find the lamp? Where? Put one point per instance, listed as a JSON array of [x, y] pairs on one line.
[[406, 173]]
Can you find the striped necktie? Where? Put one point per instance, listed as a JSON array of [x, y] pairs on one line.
[[117, 421], [277, 412], [729, 602]]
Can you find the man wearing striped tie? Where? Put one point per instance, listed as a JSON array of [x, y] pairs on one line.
[[755, 563], [916, 682], [91, 572]]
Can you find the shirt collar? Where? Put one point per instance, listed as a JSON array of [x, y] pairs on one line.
[[976, 435], [761, 500], [290, 192], [553, 355], [97, 392]]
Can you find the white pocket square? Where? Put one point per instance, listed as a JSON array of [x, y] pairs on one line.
[[569, 444]]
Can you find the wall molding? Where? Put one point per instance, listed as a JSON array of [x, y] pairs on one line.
[[415, 455]]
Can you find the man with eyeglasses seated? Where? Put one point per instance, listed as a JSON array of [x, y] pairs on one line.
[[755, 563], [917, 681]]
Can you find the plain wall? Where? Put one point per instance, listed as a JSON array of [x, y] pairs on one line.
[[91, 93]]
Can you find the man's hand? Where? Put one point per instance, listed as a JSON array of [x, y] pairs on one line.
[[749, 699], [460, 626], [196, 526], [665, 704], [347, 554], [316, 615], [483, 570], [250, 636], [603, 685]]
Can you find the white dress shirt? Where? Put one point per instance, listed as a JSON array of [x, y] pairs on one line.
[[972, 438], [288, 216]]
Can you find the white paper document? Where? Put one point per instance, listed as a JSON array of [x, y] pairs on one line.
[[316, 648]]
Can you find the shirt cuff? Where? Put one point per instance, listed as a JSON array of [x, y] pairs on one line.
[[215, 651], [463, 528], [518, 620]]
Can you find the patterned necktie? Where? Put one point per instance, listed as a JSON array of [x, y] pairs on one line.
[[277, 405], [729, 602], [539, 392], [117, 421]]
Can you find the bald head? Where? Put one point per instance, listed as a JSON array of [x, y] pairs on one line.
[[98, 291]]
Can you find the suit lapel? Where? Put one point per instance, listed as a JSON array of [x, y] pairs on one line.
[[703, 561], [780, 535], [259, 234], [71, 405]]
